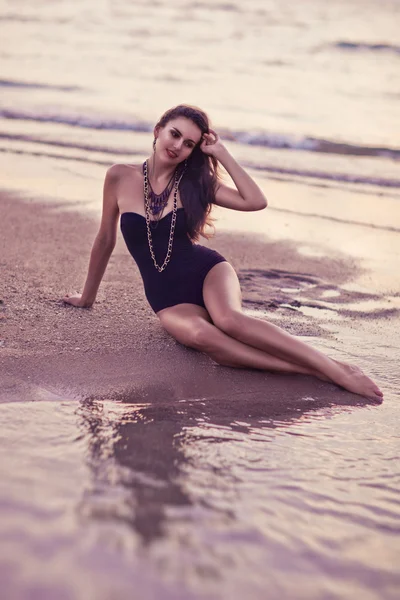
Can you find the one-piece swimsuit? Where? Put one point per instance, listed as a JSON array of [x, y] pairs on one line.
[[182, 279]]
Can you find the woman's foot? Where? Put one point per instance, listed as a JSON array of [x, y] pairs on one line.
[[354, 380]]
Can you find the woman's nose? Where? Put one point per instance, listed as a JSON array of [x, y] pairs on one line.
[[178, 144]]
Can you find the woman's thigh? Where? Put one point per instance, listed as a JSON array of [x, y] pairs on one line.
[[221, 292], [185, 322]]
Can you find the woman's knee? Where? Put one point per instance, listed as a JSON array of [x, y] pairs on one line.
[[230, 322], [199, 335], [192, 332]]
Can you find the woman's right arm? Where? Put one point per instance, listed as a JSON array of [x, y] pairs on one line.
[[103, 244]]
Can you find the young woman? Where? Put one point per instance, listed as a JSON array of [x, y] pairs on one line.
[[164, 206]]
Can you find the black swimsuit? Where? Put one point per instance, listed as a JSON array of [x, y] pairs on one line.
[[183, 278]]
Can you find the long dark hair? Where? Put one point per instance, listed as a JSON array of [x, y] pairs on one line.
[[200, 180]]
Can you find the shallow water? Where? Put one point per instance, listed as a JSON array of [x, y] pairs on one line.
[[278, 492], [200, 498]]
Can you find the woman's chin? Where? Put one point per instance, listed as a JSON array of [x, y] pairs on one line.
[[165, 158]]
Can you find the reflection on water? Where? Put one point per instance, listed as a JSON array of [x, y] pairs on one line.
[[216, 498], [134, 449]]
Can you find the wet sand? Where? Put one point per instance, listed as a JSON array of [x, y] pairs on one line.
[[117, 348]]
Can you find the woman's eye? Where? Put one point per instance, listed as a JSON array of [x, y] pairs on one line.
[[174, 134]]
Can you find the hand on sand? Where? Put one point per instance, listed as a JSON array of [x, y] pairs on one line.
[[76, 301]]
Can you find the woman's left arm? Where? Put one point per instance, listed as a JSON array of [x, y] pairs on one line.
[[248, 195]]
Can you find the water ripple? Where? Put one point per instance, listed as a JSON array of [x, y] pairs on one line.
[[102, 486]]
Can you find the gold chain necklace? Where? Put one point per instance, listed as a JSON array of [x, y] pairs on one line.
[[173, 219]]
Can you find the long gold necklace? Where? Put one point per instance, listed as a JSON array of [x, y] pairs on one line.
[[173, 219]]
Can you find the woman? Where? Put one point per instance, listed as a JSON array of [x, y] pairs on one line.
[[164, 206]]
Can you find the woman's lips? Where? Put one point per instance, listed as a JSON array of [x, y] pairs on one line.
[[171, 154]]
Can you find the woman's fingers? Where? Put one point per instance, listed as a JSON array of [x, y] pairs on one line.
[[77, 301], [74, 300], [211, 137]]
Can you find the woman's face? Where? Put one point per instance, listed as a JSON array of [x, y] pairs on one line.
[[175, 141]]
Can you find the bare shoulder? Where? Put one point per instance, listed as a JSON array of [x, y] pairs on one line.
[[121, 171]]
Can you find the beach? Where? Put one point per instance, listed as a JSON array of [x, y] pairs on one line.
[[106, 391], [133, 466], [55, 345]]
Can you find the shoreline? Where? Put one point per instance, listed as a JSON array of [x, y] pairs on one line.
[[118, 348]]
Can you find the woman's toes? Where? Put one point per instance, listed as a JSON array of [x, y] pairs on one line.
[[376, 393], [378, 397]]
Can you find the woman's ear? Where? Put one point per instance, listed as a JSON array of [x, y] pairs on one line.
[[156, 131]]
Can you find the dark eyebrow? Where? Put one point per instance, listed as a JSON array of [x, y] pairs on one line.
[[188, 140]]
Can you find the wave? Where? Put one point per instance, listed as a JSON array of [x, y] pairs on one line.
[[363, 46], [18, 18], [60, 144], [313, 144], [38, 86], [335, 219], [227, 6], [263, 139], [338, 177], [83, 121], [279, 172]]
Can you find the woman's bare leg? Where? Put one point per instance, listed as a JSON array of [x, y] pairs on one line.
[[191, 325], [222, 297]]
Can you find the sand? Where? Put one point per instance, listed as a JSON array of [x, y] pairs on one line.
[[117, 349]]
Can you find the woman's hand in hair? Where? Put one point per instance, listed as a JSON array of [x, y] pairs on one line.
[[211, 144]]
